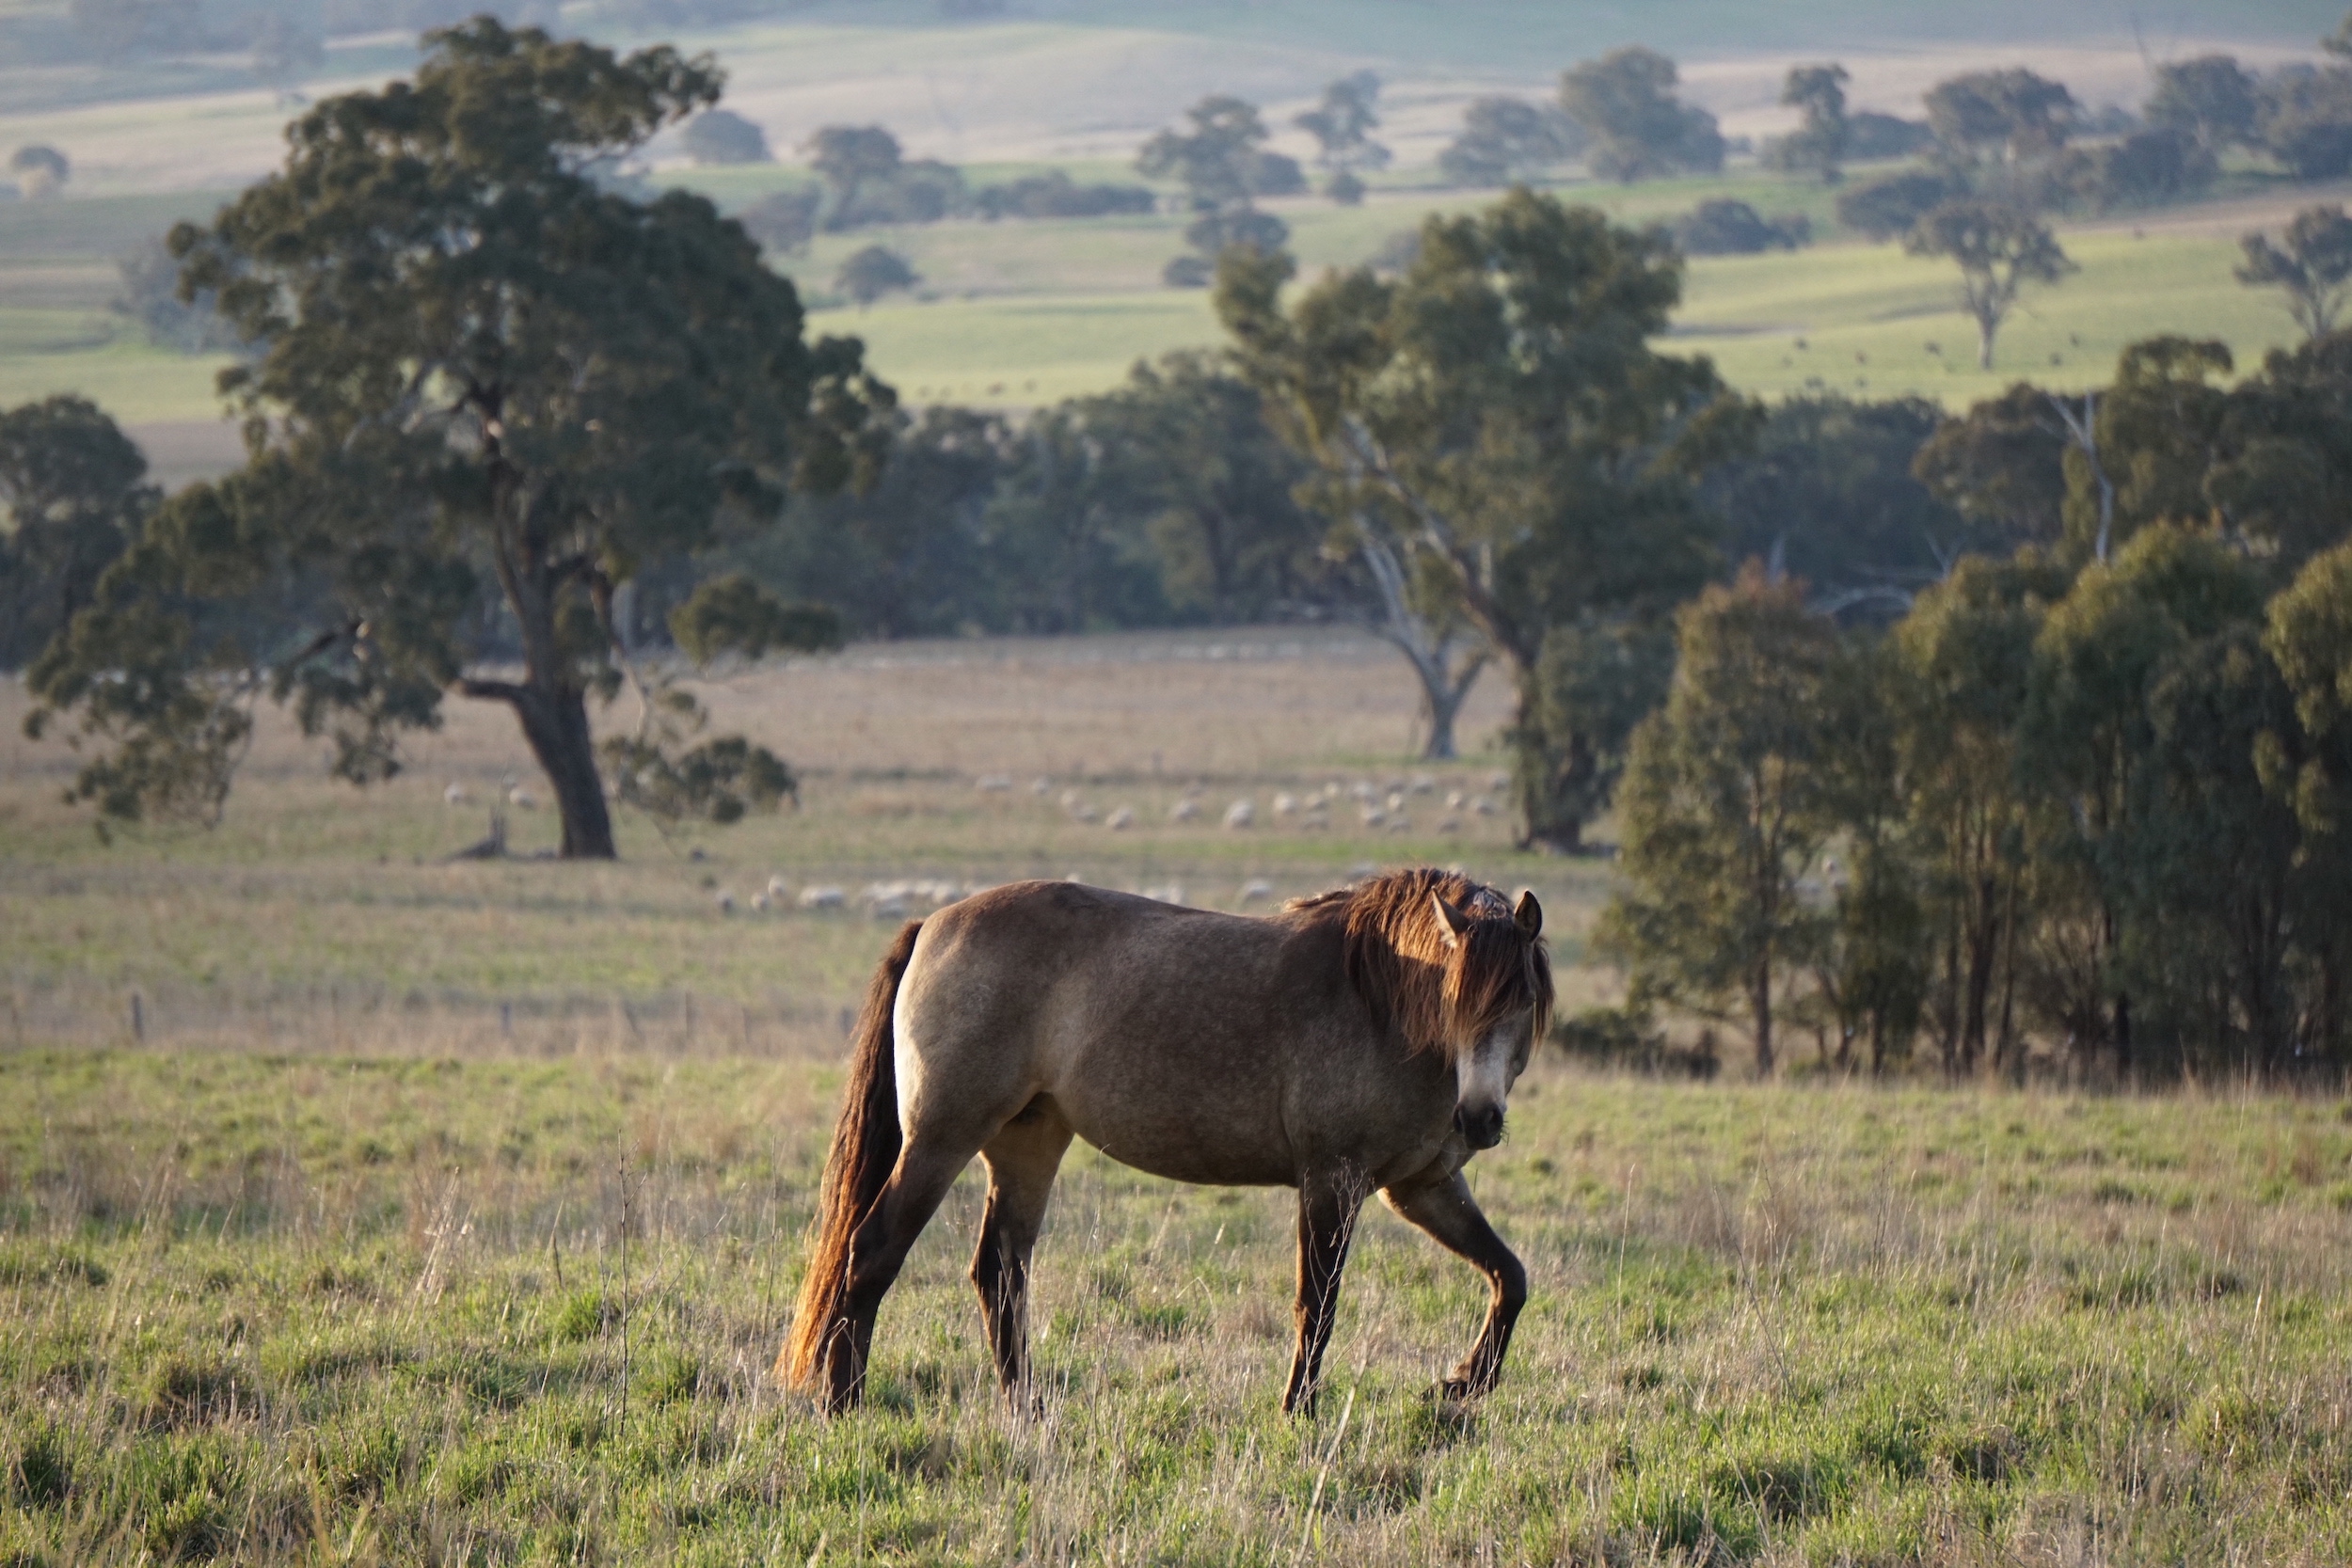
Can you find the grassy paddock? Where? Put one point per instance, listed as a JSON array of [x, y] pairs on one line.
[[451, 1212], [485, 1307]]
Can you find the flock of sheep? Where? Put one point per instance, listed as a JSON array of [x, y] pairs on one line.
[[1378, 807], [1386, 806]]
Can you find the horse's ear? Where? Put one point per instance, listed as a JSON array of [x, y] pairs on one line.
[[1453, 921], [1530, 914]]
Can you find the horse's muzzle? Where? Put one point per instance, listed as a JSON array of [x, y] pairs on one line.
[[1480, 1129]]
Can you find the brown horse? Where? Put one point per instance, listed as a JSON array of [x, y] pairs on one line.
[[1365, 1038]]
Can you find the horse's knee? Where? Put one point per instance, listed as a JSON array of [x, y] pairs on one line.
[[1510, 1282]]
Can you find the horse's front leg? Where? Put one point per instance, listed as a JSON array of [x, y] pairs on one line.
[[1327, 1206], [1446, 1210]]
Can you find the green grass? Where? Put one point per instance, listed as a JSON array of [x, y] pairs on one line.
[[1020, 348], [291, 1308]]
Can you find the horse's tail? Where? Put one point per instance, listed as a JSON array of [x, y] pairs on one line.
[[864, 1149]]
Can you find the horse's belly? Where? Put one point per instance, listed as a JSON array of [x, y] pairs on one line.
[[1181, 1126]]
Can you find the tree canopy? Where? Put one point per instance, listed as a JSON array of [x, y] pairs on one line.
[[2000, 248], [490, 393], [2313, 266], [1626, 103], [1498, 418]]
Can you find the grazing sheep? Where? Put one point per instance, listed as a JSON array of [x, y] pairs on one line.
[[1316, 819], [1424, 785], [456, 794], [777, 890], [1121, 820], [760, 901], [1484, 806], [1167, 892], [1286, 805], [1498, 780], [1373, 816], [993, 783], [1449, 824], [1453, 799], [1361, 790], [726, 901], [1069, 800], [1185, 810], [822, 899], [1400, 823], [890, 909], [1396, 801], [1256, 889], [521, 798], [1241, 814], [1084, 813], [1042, 785]]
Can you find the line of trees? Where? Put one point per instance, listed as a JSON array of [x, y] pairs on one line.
[[2092, 791]]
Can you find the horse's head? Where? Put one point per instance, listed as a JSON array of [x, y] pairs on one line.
[[1498, 1001]]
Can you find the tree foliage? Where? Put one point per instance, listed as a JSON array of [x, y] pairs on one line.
[[2096, 800], [2313, 267], [1498, 416], [2000, 248], [1820, 144], [873, 271], [1223, 165], [1727, 802], [75, 493], [1505, 142], [723, 136], [492, 393], [1342, 125], [1626, 103]]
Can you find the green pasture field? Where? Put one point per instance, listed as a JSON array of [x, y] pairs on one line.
[[361, 1206], [1017, 314], [481, 1305]]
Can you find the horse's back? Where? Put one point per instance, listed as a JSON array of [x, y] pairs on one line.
[[1177, 1041]]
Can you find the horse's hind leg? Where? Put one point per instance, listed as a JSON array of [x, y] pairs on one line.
[[1452, 1217], [1327, 1206], [1022, 1160], [924, 1171]]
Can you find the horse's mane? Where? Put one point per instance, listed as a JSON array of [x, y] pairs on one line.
[[1440, 998]]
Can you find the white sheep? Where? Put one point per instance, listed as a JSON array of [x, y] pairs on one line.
[[1121, 820], [1484, 806], [1185, 810], [1167, 892], [1373, 816], [777, 890], [1400, 823], [1498, 780], [521, 798], [1361, 790], [1042, 785], [1256, 889], [822, 899], [1453, 799], [1424, 785], [1449, 824], [456, 794], [993, 783], [1241, 814], [1396, 802], [1084, 813], [761, 902], [1316, 819], [726, 901], [1286, 805]]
